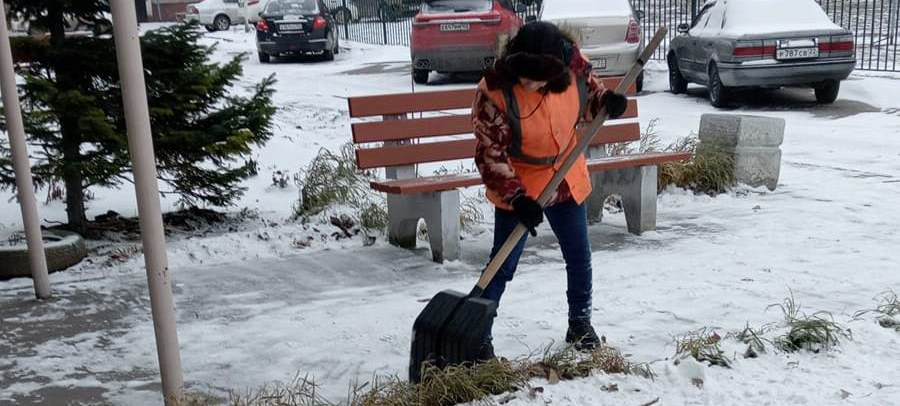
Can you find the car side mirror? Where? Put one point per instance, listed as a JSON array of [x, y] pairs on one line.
[[639, 15], [521, 8], [683, 28]]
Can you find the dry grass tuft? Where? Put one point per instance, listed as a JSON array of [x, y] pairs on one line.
[[445, 387], [887, 312], [703, 345]]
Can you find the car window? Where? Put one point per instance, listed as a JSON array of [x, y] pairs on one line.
[[701, 16], [457, 6], [713, 25], [277, 7]]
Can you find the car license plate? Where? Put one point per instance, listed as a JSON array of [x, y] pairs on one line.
[[455, 27], [599, 63], [797, 53], [290, 27]]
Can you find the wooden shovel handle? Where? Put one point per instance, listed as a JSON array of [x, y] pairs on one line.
[[573, 156]]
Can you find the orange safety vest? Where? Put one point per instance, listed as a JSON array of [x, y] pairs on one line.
[[543, 133]]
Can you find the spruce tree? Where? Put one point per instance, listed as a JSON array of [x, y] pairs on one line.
[[74, 119]]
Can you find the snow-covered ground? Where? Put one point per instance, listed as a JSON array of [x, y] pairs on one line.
[[254, 308]]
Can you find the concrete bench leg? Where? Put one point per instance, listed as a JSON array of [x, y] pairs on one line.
[[441, 213], [636, 186]]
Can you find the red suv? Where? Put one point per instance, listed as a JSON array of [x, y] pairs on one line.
[[460, 35]]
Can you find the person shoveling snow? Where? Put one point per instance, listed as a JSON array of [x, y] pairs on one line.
[[531, 164]]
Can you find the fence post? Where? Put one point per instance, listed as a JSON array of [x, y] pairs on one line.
[[382, 13], [694, 8], [347, 22]]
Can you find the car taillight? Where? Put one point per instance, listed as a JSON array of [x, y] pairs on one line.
[[252, 2], [320, 23], [842, 44], [634, 32], [420, 20], [753, 51], [262, 26]]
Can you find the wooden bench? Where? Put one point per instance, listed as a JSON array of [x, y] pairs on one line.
[[433, 127]]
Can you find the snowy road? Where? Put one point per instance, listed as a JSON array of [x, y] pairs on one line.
[[253, 310]]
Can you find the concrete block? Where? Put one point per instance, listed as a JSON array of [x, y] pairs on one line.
[[440, 210], [636, 186], [753, 140]]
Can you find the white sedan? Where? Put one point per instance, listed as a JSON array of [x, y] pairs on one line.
[[608, 32], [218, 15]]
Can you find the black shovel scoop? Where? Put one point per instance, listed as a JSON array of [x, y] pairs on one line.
[[450, 329]]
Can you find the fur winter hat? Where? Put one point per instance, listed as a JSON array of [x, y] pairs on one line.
[[541, 52]]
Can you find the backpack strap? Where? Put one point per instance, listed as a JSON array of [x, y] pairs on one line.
[[515, 123], [583, 95]]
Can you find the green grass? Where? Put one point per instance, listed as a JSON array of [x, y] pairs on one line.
[[887, 312], [815, 332]]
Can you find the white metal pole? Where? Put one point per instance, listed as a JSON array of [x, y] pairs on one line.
[[246, 15], [140, 144], [22, 164]]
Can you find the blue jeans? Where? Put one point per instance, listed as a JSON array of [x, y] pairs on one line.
[[569, 222]]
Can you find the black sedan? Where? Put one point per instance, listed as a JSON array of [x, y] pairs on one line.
[[296, 27]]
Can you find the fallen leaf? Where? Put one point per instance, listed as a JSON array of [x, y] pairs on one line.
[[845, 394], [610, 388], [537, 390]]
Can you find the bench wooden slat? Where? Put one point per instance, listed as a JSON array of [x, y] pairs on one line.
[[613, 133], [409, 154], [447, 182], [632, 161], [397, 155], [427, 184], [395, 130], [394, 104]]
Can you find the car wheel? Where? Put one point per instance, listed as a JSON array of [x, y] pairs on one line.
[[420, 76], [677, 83], [342, 15], [827, 92], [210, 28], [639, 83], [222, 22], [264, 57], [718, 93]]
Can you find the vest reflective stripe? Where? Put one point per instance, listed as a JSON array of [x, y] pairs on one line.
[[547, 130]]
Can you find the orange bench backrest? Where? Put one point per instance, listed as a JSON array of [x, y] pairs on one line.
[[396, 126]]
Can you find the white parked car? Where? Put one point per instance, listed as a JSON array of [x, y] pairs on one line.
[[218, 15], [607, 31]]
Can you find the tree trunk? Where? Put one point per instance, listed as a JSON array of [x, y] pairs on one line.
[[71, 136]]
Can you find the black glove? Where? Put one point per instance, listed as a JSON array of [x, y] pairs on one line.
[[528, 211], [615, 104]]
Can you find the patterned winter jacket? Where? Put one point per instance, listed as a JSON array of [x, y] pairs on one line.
[[493, 136]]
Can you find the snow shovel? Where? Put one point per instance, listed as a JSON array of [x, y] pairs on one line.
[[450, 329]]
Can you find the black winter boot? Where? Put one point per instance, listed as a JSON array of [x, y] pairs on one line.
[[486, 351], [582, 335]]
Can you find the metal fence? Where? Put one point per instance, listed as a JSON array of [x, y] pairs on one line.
[[875, 23], [384, 22]]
